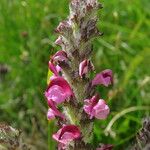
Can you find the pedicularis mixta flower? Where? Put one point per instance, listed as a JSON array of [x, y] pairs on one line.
[[67, 134], [58, 90], [71, 86], [96, 107]]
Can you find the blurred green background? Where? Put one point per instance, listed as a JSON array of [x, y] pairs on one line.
[[27, 41]]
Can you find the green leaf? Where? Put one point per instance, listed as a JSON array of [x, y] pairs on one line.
[[49, 75]]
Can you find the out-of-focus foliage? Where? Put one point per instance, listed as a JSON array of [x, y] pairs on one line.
[[26, 42]]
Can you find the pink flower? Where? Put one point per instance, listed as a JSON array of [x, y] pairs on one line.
[[55, 69], [56, 93], [60, 56], [105, 78], [58, 90], [84, 67], [53, 111], [96, 107], [66, 134]]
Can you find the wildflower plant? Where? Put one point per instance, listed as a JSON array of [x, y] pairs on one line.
[[71, 85]]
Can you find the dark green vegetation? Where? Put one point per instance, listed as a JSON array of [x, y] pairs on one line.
[[26, 42]]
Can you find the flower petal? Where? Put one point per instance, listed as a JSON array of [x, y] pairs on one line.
[[83, 68], [105, 78], [60, 81], [66, 134], [101, 110], [55, 111], [96, 108], [56, 93], [55, 69], [89, 104], [60, 56]]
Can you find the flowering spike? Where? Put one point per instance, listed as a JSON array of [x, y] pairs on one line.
[[71, 85]]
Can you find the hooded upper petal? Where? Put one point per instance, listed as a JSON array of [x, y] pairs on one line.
[[58, 90], [67, 134], [60, 56], [57, 94], [105, 78]]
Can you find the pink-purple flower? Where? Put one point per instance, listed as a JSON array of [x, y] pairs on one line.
[[60, 56], [103, 78], [72, 65], [67, 134], [58, 90], [53, 111], [96, 107]]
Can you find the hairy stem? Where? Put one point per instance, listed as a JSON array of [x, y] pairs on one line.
[[76, 35]]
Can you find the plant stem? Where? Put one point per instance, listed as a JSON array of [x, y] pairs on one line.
[[51, 144]]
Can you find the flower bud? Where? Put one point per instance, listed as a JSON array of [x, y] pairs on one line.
[[59, 41], [55, 69], [84, 67], [63, 27], [50, 114]]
